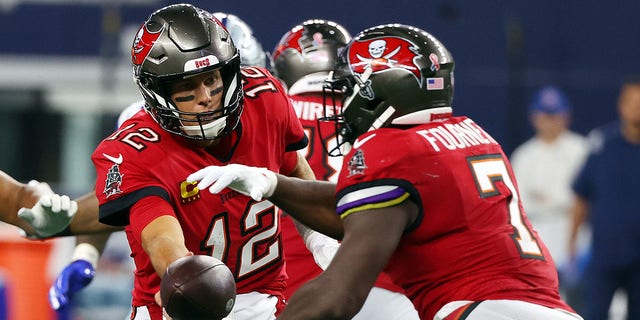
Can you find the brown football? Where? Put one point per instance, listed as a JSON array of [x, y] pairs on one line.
[[198, 287]]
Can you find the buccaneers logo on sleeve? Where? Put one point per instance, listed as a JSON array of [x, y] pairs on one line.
[[114, 177], [356, 164], [381, 54]]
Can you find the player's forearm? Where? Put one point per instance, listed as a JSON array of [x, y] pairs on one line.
[[162, 239], [311, 301], [13, 196], [22, 196], [163, 252], [86, 219], [310, 202]]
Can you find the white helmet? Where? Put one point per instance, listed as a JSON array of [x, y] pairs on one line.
[[251, 52]]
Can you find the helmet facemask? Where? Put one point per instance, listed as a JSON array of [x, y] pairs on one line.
[[346, 89]]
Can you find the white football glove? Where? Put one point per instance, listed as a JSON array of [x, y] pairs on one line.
[[41, 187], [322, 248], [258, 183], [50, 215]]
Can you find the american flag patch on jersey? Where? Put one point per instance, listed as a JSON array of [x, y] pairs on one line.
[[435, 83]]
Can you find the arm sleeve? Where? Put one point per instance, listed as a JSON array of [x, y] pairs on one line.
[[146, 210], [295, 136]]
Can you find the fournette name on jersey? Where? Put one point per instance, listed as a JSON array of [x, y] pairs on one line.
[[454, 136], [309, 110]]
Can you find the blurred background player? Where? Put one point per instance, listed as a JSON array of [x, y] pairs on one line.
[[302, 60], [81, 270], [607, 198], [545, 166]]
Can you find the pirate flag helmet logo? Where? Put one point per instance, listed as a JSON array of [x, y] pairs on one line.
[[384, 53]]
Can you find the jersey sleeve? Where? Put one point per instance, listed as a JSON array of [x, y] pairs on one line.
[[372, 177], [145, 211], [122, 178], [295, 137], [289, 162]]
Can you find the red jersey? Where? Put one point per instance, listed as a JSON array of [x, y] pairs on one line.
[[472, 239], [301, 267], [310, 107], [141, 159]]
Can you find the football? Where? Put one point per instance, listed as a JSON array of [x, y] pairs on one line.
[[198, 287]]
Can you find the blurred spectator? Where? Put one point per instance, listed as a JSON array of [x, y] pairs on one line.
[[607, 197], [545, 166]]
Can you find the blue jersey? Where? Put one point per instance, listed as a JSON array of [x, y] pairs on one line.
[[609, 181]]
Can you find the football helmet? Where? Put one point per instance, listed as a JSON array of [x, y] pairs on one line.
[[307, 53], [388, 75], [251, 52], [180, 41]]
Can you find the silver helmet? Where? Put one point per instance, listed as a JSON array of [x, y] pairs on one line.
[[180, 41], [307, 53]]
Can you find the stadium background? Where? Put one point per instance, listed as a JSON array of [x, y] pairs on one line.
[[65, 70]]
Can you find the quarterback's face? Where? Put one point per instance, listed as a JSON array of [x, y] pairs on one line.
[[199, 93]]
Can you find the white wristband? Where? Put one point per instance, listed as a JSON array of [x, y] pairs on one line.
[[85, 251], [322, 247], [273, 182]]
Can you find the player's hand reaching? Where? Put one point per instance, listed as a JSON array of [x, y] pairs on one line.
[[41, 188], [158, 300], [50, 215], [258, 183], [75, 276]]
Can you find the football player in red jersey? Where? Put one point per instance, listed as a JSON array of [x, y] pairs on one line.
[[202, 109], [425, 196], [81, 270], [302, 60]]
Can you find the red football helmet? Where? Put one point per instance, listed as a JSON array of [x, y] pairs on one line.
[[305, 55]]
